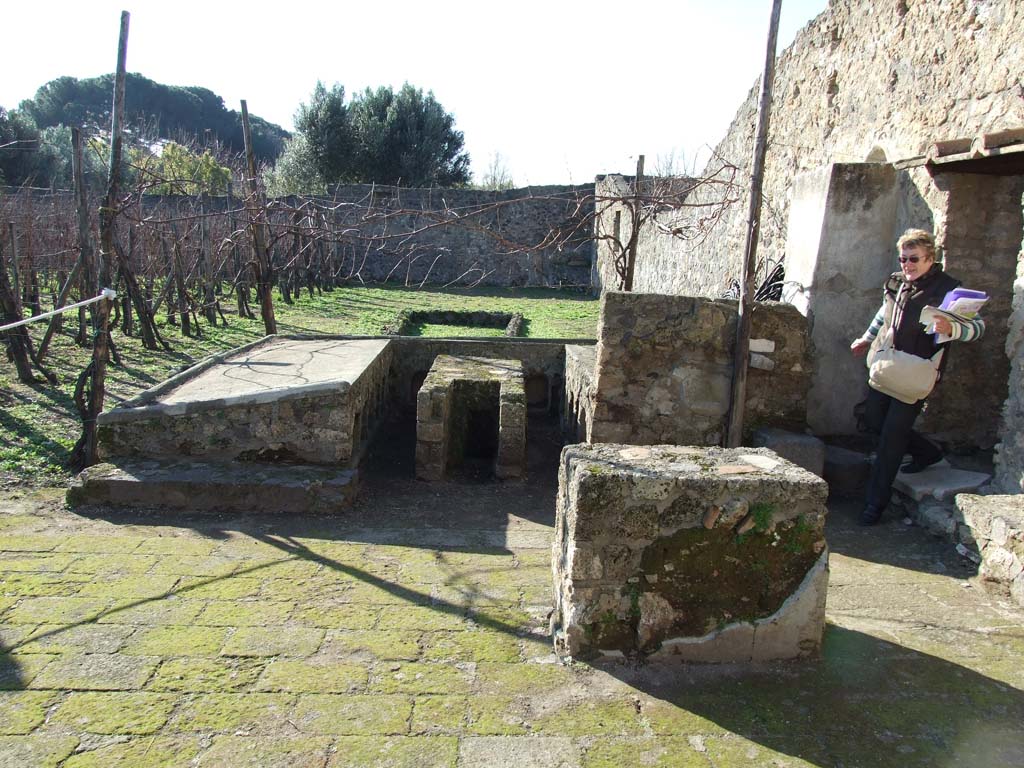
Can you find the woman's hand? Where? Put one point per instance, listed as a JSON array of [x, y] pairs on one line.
[[943, 326], [860, 347]]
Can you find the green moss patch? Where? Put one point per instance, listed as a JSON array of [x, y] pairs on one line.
[[22, 711], [369, 645], [104, 712], [230, 712], [425, 618], [395, 752], [177, 641], [56, 610], [335, 616], [615, 717], [162, 611], [229, 613], [273, 641], [419, 677], [96, 672], [36, 751], [80, 638], [342, 714], [197, 675], [310, 677], [716, 577], [470, 645], [256, 752], [141, 752]]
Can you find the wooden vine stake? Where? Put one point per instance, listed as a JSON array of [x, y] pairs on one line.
[[257, 215], [89, 399], [741, 361]]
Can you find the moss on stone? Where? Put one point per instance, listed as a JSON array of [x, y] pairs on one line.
[[232, 613], [142, 752], [713, 578], [395, 752], [312, 677], [177, 641], [529, 678], [375, 644], [197, 675], [230, 712], [354, 715], [119, 712], [22, 711], [421, 677], [343, 616], [273, 641], [470, 645]]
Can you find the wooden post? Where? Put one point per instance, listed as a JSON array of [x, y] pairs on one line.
[[15, 265], [634, 235], [257, 212], [85, 451], [734, 434]]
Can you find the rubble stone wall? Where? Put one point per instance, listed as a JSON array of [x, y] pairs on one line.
[[1010, 453], [664, 366], [706, 554], [864, 81]]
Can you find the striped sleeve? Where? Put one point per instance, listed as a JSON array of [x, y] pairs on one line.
[[968, 330], [875, 326]]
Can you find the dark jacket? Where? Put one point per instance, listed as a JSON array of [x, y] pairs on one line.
[[909, 299]]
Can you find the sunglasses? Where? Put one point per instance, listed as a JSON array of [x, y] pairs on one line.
[[911, 259]]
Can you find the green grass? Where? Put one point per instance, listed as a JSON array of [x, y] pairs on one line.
[[40, 425]]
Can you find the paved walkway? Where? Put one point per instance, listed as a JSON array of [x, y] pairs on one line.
[[412, 632]]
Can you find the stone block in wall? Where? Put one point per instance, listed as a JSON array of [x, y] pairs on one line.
[[705, 554], [805, 451], [997, 526]]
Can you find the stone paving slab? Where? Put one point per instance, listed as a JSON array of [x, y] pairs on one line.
[[362, 641]]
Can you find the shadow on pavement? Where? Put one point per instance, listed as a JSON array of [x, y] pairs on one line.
[[865, 702]]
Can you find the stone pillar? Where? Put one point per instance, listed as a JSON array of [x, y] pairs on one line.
[[840, 246], [706, 554], [433, 404]]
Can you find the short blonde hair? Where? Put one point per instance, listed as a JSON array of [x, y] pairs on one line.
[[914, 238]]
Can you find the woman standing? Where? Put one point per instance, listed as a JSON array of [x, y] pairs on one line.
[[920, 282]]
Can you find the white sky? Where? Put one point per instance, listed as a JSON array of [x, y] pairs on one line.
[[562, 89]]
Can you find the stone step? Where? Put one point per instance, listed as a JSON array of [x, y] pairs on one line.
[[940, 481], [216, 486]]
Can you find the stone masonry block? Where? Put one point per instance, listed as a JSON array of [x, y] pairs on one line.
[[705, 553], [997, 525], [806, 451]]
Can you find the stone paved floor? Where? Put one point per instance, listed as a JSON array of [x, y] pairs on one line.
[[411, 632]]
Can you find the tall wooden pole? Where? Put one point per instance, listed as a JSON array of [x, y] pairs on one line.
[[108, 214], [634, 235], [734, 434], [257, 211]]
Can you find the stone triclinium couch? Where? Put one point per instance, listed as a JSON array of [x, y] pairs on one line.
[[702, 554], [466, 400]]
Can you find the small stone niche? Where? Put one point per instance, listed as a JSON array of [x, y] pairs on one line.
[[471, 410], [700, 554]]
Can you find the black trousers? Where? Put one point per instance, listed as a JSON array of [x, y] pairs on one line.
[[892, 421]]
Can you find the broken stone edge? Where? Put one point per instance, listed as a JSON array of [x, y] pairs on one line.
[[794, 631]]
